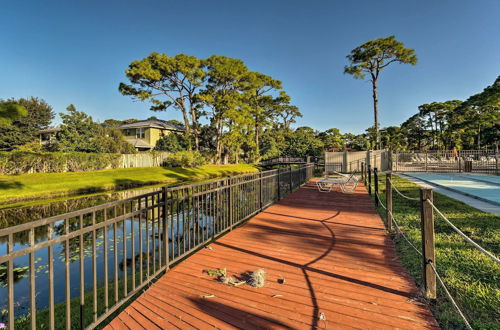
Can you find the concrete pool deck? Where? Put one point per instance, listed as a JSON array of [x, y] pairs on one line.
[[478, 204]]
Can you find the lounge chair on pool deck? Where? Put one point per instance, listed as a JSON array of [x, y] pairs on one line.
[[346, 183]]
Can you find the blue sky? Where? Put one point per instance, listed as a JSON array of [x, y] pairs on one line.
[[76, 51]]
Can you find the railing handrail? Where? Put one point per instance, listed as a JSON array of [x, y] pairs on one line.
[[62, 216]]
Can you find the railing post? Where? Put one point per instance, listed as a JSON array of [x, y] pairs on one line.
[[261, 186], [363, 172], [230, 201], [369, 180], [388, 200], [375, 178], [279, 185], [428, 253], [496, 163], [165, 229], [291, 180]]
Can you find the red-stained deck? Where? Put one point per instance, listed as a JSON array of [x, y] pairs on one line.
[[339, 265]]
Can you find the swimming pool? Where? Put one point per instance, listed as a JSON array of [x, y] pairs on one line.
[[480, 186]]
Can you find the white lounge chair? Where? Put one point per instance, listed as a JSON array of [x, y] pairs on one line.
[[346, 183]]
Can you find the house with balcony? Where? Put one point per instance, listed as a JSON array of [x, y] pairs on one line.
[[144, 134]]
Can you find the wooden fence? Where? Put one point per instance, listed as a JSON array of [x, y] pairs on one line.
[[143, 159]]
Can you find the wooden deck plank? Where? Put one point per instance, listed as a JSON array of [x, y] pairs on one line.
[[332, 249]]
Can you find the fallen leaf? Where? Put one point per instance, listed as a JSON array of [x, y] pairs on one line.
[[206, 296], [276, 296]]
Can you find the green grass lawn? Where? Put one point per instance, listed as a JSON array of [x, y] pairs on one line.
[[49, 185], [472, 278]]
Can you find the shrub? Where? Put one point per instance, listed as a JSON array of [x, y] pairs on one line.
[[170, 143], [33, 146], [185, 159], [19, 162]]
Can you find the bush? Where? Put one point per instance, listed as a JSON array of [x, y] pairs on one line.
[[33, 146], [170, 143], [185, 159], [20, 162]]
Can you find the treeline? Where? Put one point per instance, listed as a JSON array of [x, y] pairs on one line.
[[468, 125], [78, 131]]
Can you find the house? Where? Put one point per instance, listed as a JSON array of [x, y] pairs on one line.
[[144, 134], [48, 135]]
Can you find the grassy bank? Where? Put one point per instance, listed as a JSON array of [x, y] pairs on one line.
[[25, 187], [472, 278]]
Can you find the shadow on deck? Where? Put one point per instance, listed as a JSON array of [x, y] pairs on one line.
[[339, 265]]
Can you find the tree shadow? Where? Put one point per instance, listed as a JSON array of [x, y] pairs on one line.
[[4, 185], [237, 317]]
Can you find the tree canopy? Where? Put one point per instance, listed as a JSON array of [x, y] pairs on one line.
[[370, 59], [238, 104], [27, 117], [80, 133]]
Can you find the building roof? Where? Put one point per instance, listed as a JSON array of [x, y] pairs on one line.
[[50, 130], [153, 123], [138, 143]]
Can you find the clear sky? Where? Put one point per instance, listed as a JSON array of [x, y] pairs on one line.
[[76, 51]]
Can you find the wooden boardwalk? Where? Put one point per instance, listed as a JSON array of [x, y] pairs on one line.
[[339, 265]]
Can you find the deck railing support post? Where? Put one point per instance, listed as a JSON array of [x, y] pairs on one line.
[[375, 178], [229, 202], [428, 252], [496, 163], [291, 180], [369, 179], [165, 229], [388, 200], [261, 187], [279, 185], [363, 172]]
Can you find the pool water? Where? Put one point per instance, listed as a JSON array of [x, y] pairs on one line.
[[484, 187]]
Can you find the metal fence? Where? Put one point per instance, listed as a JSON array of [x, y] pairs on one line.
[[480, 161], [285, 161], [97, 258]]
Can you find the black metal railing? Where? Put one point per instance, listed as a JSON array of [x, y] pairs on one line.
[[83, 265], [285, 161]]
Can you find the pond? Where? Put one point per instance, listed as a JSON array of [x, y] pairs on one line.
[[146, 236]]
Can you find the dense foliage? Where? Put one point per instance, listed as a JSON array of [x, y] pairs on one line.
[[185, 159], [472, 124], [81, 134], [29, 116], [171, 143], [19, 162], [10, 111]]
